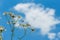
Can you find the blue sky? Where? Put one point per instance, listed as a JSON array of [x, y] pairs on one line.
[[7, 5]]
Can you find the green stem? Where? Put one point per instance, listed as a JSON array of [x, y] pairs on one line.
[[23, 35], [12, 33], [12, 27], [8, 20], [1, 36]]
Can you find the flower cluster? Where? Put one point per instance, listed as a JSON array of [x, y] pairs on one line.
[[16, 20]]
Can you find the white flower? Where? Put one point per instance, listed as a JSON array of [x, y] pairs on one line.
[[17, 18], [17, 24], [1, 29]]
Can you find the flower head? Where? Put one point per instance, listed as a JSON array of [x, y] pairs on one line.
[[1, 29]]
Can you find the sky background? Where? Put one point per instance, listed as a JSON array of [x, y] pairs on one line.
[[6, 5]]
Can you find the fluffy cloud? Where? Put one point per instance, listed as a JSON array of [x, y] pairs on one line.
[[38, 16], [58, 34], [52, 36]]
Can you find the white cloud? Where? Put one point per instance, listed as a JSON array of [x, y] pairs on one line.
[[38, 16], [52, 36], [58, 35]]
